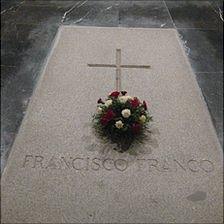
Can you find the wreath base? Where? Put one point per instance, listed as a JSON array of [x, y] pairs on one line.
[[123, 144]]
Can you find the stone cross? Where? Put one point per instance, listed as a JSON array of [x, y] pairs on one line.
[[118, 67]]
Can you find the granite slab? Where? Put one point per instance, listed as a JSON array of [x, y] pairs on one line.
[[60, 172]]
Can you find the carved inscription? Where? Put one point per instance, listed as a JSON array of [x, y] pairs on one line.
[[76, 163], [80, 163], [192, 165]]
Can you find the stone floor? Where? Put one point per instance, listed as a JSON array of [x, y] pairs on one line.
[[29, 28]]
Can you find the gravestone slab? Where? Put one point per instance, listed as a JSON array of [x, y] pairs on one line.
[[60, 172]]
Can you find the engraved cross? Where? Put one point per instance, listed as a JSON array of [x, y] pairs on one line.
[[118, 67]]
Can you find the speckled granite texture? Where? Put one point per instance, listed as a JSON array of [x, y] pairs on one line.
[[59, 172]]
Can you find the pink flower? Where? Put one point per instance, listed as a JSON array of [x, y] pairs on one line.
[[115, 94], [134, 102], [107, 117]]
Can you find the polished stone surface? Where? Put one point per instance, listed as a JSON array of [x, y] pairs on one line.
[[212, 88], [26, 41], [12, 52], [17, 32], [217, 6], [204, 48], [94, 13], [8, 5], [61, 4], [59, 171], [193, 14], [153, 14], [34, 14]]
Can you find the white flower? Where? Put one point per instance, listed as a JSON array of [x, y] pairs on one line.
[[124, 99], [142, 119], [119, 124], [126, 113], [99, 110], [108, 103]]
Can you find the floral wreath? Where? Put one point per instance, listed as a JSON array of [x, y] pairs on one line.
[[121, 118]]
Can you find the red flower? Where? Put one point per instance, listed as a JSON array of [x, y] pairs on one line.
[[123, 93], [136, 127], [100, 100], [115, 94], [108, 116], [134, 102], [144, 105], [104, 121]]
